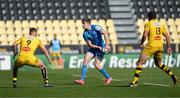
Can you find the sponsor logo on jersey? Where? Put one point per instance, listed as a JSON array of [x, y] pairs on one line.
[[26, 48], [157, 38]]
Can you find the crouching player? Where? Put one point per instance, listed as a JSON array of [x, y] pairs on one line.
[[28, 46]]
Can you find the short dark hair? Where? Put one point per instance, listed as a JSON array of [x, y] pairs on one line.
[[86, 20], [32, 30], [151, 15]]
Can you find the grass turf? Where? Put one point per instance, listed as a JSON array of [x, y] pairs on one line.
[[153, 83]]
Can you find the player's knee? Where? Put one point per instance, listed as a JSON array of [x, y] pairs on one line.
[[42, 67], [140, 62], [98, 67], [85, 62]]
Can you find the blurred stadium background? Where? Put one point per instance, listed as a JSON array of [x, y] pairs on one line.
[[123, 19]]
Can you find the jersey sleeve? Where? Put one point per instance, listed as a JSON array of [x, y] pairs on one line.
[[85, 36], [146, 27], [98, 28]]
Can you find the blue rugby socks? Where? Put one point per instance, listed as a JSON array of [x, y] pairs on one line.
[[104, 72], [83, 73]]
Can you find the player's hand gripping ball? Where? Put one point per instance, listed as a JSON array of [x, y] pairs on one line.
[[105, 50]]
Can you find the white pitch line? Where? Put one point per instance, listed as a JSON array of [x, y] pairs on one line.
[[163, 85], [76, 75], [119, 79]]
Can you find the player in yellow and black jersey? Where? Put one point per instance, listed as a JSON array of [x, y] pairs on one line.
[[28, 46], [155, 32]]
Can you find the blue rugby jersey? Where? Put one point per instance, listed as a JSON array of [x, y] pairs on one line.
[[94, 35]]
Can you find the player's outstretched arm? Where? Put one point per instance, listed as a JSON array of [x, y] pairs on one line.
[[167, 36], [106, 37], [145, 34], [44, 50]]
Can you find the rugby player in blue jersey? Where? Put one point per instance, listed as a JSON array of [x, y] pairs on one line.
[[93, 37]]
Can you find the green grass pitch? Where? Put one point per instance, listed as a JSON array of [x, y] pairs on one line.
[[153, 83]]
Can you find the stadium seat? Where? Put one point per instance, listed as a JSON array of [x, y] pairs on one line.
[[109, 23], [64, 29], [11, 37], [63, 23], [111, 29], [102, 23], [177, 22], [60, 37], [170, 22], [49, 31], [71, 30], [50, 37], [25, 31], [18, 31], [17, 24], [163, 21], [42, 37], [80, 30], [178, 28], [10, 31], [18, 36], [140, 22], [57, 30], [25, 24], [94, 21], [2, 31], [48, 24], [56, 23], [113, 36], [41, 31], [71, 23], [173, 29], [78, 23], [33, 23], [9, 24], [40, 24], [3, 37], [2, 24]]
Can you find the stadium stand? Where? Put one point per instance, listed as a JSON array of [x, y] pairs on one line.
[[61, 17], [168, 13], [121, 13], [123, 19]]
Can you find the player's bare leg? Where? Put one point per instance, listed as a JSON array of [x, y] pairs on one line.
[[44, 74], [99, 67], [142, 59], [87, 59], [158, 63]]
